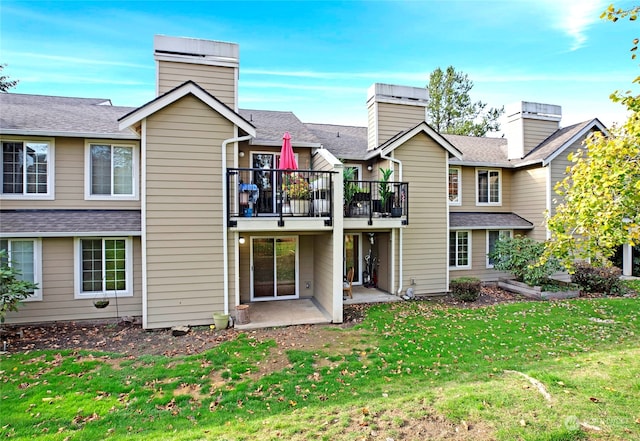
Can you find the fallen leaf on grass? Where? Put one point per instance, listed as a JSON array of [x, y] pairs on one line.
[[594, 399]]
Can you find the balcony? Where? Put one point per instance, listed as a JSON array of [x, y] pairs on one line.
[[255, 193], [376, 201]]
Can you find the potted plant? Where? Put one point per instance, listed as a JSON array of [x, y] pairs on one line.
[[350, 188], [384, 189], [398, 202], [297, 189]]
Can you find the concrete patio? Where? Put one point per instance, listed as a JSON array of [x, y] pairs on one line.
[[305, 311]]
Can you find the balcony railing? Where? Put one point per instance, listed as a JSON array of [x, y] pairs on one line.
[[375, 199], [257, 192]]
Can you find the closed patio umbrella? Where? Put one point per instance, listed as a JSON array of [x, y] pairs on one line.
[[287, 158]]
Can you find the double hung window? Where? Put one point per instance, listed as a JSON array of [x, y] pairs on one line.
[[492, 237]]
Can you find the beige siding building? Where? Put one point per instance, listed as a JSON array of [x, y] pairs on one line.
[[182, 207]]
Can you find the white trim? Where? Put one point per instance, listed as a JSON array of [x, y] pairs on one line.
[[595, 123], [71, 234], [459, 201], [50, 195], [549, 200], [49, 133], [174, 95], [297, 269], [37, 264], [487, 204], [77, 270], [134, 165], [500, 231], [143, 221], [446, 195], [424, 128], [457, 267]]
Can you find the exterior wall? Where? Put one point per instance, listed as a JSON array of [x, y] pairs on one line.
[[58, 301], [184, 221], [69, 181], [535, 131], [559, 170], [426, 237], [394, 118], [529, 198], [469, 192], [219, 81], [479, 259], [323, 273]]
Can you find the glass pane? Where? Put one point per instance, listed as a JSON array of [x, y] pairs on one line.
[[494, 186], [264, 179], [493, 238], [483, 186], [115, 264], [12, 167], [351, 257], [36, 158], [286, 266], [91, 265], [101, 169], [453, 185], [263, 267], [123, 170], [452, 249], [463, 248]]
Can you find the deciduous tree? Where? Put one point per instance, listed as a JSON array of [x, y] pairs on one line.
[[5, 82], [451, 110], [600, 207]]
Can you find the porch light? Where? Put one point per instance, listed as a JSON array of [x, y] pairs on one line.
[[241, 154], [369, 167], [241, 240]]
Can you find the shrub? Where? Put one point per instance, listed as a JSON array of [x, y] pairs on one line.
[[466, 289], [521, 256], [12, 289], [598, 279]]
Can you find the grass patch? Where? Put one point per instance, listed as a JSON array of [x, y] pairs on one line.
[[415, 371], [633, 285]]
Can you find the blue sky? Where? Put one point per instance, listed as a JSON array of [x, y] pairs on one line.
[[317, 59]]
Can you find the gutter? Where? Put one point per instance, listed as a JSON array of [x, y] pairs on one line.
[[225, 256], [400, 247]]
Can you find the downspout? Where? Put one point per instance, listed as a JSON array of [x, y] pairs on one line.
[[225, 255], [400, 242]]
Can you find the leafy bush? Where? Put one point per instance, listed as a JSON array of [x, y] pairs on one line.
[[521, 256], [466, 289], [12, 289], [598, 279]]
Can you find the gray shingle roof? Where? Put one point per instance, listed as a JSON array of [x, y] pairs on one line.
[[69, 222], [482, 221], [344, 142], [270, 126], [557, 140], [480, 149], [52, 115]]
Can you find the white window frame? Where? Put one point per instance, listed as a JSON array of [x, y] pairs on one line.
[[37, 265], [489, 203], [50, 194], [500, 235], [87, 172], [77, 264], [458, 201], [469, 251]]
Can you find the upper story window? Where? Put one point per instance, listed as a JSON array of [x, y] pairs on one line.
[[25, 255], [488, 187], [111, 171], [455, 179], [27, 169]]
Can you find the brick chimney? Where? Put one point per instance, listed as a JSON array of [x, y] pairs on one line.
[[528, 124], [392, 109], [213, 65]]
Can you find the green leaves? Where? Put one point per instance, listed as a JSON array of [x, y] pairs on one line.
[[450, 109]]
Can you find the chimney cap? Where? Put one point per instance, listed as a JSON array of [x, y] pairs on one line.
[[197, 51], [390, 93], [528, 109]]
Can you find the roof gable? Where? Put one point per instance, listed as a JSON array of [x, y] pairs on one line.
[[187, 88], [406, 135]]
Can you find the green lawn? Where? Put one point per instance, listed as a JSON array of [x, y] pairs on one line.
[[410, 371]]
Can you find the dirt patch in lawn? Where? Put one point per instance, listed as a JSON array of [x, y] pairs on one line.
[[131, 340]]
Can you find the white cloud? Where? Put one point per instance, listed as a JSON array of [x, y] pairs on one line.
[[574, 17]]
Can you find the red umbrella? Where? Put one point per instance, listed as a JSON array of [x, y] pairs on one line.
[[287, 158]]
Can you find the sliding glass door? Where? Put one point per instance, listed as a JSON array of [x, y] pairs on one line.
[[274, 268]]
